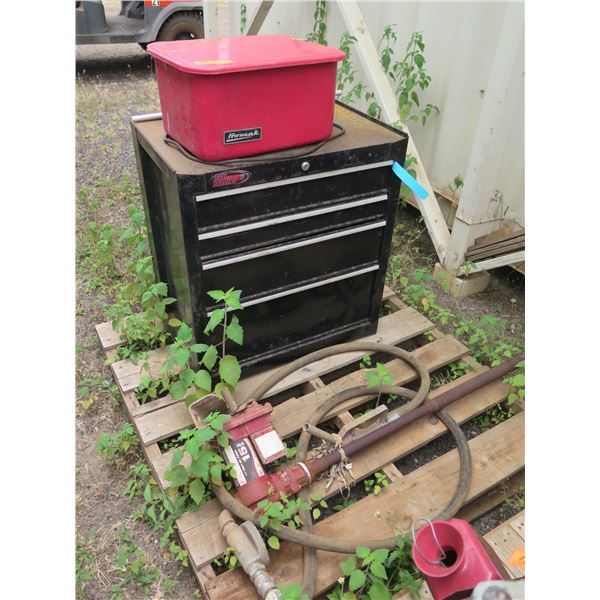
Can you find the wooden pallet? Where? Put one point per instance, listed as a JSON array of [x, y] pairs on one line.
[[498, 456]]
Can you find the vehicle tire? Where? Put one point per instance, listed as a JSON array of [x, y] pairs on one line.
[[182, 26]]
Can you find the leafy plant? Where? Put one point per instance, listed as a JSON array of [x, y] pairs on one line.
[[228, 560], [517, 382], [292, 592], [377, 574], [346, 75], [408, 75], [378, 377], [84, 563], [159, 509], [139, 312], [204, 464], [283, 512], [345, 503], [456, 184], [320, 26], [117, 448], [89, 389], [468, 268], [178, 377], [243, 17], [131, 564], [377, 484]]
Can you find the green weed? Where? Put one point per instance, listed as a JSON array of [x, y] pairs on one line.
[[116, 449], [377, 574]]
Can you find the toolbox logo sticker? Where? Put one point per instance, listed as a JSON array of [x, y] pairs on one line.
[[229, 178], [243, 135]]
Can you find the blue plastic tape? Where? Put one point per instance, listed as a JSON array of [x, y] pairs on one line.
[[409, 180]]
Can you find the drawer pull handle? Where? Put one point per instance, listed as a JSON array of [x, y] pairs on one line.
[[288, 218], [308, 286], [285, 247], [292, 180]]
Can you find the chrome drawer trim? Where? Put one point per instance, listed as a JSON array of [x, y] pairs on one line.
[[294, 217], [308, 286], [292, 180], [284, 248]]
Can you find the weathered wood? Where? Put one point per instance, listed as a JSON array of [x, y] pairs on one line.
[[370, 460], [476, 250], [289, 417], [505, 540], [109, 338], [393, 329], [500, 235], [127, 373], [493, 498], [498, 453], [499, 250]]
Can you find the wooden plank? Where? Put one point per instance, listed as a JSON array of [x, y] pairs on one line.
[[499, 452], [173, 418], [518, 523], [392, 329], [520, 267], [500, 235], [109, 338], [493, 263], [127, 373], [496, 251], [419, 433], [373, 459], [505, 540], [493, 498], [289, 416], [475, 250]]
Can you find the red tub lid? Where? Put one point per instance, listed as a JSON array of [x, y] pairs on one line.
[[241, 53]]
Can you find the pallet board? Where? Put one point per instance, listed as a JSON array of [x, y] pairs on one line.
[[498, 453]]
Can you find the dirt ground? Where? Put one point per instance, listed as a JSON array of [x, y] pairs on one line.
[[113, 83]]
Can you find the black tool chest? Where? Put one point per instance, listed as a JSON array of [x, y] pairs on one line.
[[306, 238]]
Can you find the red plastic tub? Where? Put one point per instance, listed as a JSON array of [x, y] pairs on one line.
[[232, 97]]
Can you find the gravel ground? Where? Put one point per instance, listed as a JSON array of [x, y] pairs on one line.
[[113, 83]]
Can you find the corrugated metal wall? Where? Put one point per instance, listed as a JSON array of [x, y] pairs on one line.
[[461, 44]]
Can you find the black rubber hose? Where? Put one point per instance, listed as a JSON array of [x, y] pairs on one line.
[[307, 537], [349, 546]]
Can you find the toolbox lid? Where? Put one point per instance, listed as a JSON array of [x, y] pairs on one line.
[[217, 56]]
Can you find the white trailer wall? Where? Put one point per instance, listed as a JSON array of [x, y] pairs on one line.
[[461, 45]]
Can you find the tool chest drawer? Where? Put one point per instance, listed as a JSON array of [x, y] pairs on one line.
[[304, 192], [305, 234], [297, 261], [276, 324], [275, 228]]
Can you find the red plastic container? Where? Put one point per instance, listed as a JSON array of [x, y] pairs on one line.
[[467, 562], [232, 97]]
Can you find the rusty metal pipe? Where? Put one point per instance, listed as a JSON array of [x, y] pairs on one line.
[[430, 406]]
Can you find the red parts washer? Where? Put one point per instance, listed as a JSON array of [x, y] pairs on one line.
[[231, 97], [453, 558], [254, 442]]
